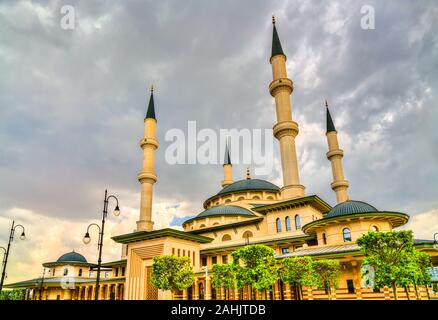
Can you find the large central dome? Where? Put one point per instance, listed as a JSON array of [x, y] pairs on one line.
[[249, 184]]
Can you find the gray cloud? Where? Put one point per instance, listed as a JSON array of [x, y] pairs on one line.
[[73, 102]]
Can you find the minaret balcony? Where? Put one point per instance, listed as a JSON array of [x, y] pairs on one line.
[[285, 128], [281, 84], [149, 142]]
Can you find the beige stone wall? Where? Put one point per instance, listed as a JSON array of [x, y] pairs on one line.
[[334, 233]]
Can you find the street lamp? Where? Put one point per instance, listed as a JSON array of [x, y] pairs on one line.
[[87, 237], [435, 241], [6, 254]]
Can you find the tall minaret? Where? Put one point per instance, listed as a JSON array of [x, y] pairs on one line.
[[335, 154], [286, 129], [228, 168], [147, 177]]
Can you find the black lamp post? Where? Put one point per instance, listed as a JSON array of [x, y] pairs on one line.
[[6, 255], [87, 238], [41, 284]]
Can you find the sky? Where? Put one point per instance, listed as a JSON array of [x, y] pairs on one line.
[[72, 104]]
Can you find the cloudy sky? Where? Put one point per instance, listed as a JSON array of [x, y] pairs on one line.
[[72, 104]]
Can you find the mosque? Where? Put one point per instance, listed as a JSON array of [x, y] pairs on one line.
[[248, 211]]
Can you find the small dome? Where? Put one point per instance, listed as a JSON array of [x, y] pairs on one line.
[[72, 257], [223, 210], [350, 207], [249, 184]]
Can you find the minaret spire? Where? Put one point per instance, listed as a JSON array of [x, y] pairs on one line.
[[147, 177], [286, 129], [150, 114], [330, 124], [228, 168], [276, 44], [335, 155]]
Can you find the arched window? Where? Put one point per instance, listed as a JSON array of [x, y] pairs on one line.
[[216, 223], [202, 226], [347, 235], [247, 234], [65, 271], [270, 198], [80, 273], [240, 198], [227, 201], [324, 238], [256, 198], [278, 222], [287, 222], [297, 222], [374, 228], [226, 237]]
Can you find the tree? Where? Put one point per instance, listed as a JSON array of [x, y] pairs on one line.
[[298, 272], [256, 267], [15, 294], [224, 276], [327, 272], [394, 259], [172, 273]]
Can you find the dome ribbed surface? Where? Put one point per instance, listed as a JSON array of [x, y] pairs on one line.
[[350, 207], [225, 210], [72, 257], [249, 184]]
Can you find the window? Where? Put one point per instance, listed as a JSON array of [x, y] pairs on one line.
[[278, 222], [184, 253], [287, 222], [173, 251], [284, 250], [324, 238], [123, 271], [350, 286], [204, 261], [80, 273], [226, 237], [256, 198], [214, 260], [374, 228], [216, 223], [225, 259], [53, 273], [227, 201], [179, 251], [91, 274], [65, 271], [270, 198], [347, 235], [117, 272], [106, 274], [240, 199], [247, 234], [297, 222], [202, 226]]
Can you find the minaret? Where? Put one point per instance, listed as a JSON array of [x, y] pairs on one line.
[[335, 154], [228, 168], [286, 129], [147, 177]]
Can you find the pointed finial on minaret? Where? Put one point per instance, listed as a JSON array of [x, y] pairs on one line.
[[330, 124], [150, 114], [248, 173], [276, 44], [227, 158]]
